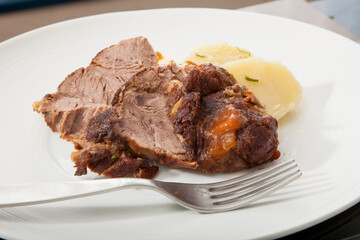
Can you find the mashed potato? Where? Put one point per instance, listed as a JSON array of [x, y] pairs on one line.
[[217, 54], [272, 83]]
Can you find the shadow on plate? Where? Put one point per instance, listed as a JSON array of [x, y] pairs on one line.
[[305, 133], [73, 214], [308, 185]]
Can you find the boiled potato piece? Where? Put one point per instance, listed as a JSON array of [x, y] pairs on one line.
[[272, 83], [217, 54]]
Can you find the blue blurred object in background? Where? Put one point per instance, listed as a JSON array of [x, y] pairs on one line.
[[346, 13], [12, 5]]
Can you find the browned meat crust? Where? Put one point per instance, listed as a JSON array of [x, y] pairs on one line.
[[185, 122]]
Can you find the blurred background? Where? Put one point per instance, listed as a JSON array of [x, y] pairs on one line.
[[18, 16]]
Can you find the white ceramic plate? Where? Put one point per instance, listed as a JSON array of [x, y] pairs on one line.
[[322, 133]]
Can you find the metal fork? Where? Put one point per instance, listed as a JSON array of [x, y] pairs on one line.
[[207, 198]]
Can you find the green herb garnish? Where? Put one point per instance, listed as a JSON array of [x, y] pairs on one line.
[[200, 56], [251, 79], [242, 51], [113, 157]]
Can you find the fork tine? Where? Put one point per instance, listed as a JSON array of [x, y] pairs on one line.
[[252, 177], [239, 200], [253, 183]]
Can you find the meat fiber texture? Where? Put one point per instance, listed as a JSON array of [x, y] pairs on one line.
[[125, 114]]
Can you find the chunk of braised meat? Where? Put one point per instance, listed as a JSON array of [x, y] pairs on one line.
[[207, 79], [124, 112], [224, 128], [118, 164], [235, 134]]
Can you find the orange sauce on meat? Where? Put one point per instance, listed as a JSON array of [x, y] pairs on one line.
[[175, 108], [159, 56], [223, 132]]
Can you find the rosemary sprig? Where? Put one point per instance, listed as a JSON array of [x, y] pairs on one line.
[[251, 79], [242, 51], [200, 56]]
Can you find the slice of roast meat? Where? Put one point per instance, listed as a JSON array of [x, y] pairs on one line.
[[89, 91], [140, 118]]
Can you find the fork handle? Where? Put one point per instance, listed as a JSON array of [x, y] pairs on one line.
[[36, 193]]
